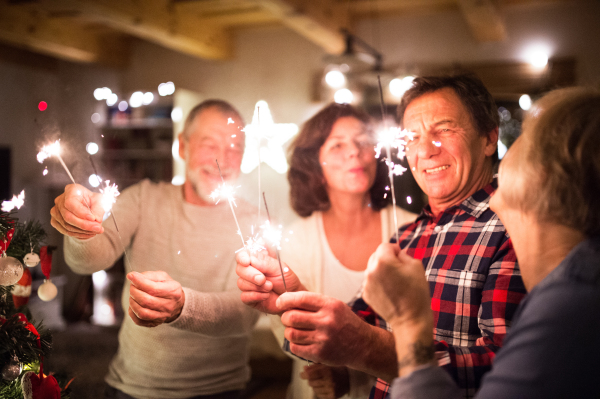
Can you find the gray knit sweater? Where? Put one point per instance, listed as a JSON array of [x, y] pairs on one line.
[[204, 351]]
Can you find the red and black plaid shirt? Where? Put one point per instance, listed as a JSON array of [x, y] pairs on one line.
[[475, 286]]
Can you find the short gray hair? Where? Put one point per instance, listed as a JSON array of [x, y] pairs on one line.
[[221, 105], [561, 157]]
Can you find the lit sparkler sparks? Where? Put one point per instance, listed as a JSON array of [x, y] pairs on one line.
[[226, 191], [272, 234], [254, 244], [109, 195], [109, 198], [390, 138], [53, 149], [15, 202]]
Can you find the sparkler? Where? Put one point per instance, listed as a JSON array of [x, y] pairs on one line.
[[54, 149], [275, 237], [15, 202], [259, 160], [226, 191], [109, 197], [391, 138]]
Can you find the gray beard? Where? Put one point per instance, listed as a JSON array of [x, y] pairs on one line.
[[202, 192]]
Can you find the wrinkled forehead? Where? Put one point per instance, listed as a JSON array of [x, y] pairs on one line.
[[440, 106], [217, 125]]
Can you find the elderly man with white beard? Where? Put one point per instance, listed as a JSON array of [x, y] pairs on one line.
[[181, 278]]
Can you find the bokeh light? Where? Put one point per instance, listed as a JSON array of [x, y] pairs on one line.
[[148, 98], [335, 79], [123, 106], [399, 86], [42, 105], [525, 102], [96, 117], [176, 114], [92, 148], [343, 96], [165, 89], [136, 99], [94, 180], [112, 99]]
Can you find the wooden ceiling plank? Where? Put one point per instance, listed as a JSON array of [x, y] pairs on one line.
[[365, 8], [484, 20], [34, 31], [320, 21], [158, 21]]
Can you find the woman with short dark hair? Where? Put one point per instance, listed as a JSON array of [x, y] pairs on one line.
[[338, 187]]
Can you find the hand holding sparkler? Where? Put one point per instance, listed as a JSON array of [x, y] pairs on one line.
[[71, 215], [261, 281], [154, 298]]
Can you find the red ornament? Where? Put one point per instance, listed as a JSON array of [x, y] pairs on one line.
[[46, 260], [22, 290], [4, 245], [39, 386]]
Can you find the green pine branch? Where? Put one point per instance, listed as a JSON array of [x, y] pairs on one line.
[[27, 235]]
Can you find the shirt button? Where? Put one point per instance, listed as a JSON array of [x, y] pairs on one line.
[[437, 229]]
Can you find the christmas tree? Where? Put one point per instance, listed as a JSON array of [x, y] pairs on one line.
[[24, 343]]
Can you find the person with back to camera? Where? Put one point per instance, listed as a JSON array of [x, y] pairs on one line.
[[547, 198]]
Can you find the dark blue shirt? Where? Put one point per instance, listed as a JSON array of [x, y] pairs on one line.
[[550, 350]]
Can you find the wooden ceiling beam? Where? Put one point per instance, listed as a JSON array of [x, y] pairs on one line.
[[158, 21], [368, 8], [321, 22], [33, 30], [484, 20]]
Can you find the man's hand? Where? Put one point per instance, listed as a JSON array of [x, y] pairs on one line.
[[260, 280], [154, 298], [327, 382], [322, 329], [71, 215], [396, 287]]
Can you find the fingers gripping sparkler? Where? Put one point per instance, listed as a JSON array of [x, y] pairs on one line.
[[274, 236]]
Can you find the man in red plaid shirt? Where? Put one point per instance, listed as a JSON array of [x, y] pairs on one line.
[[469, 260]]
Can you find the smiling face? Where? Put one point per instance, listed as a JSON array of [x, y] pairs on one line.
[[347, 158], [211, 137], [448, 158]]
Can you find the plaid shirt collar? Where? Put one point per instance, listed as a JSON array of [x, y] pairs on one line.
[[475, 205]]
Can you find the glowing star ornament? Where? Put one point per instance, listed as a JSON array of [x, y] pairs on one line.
[[265, 140], [15, 202]]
